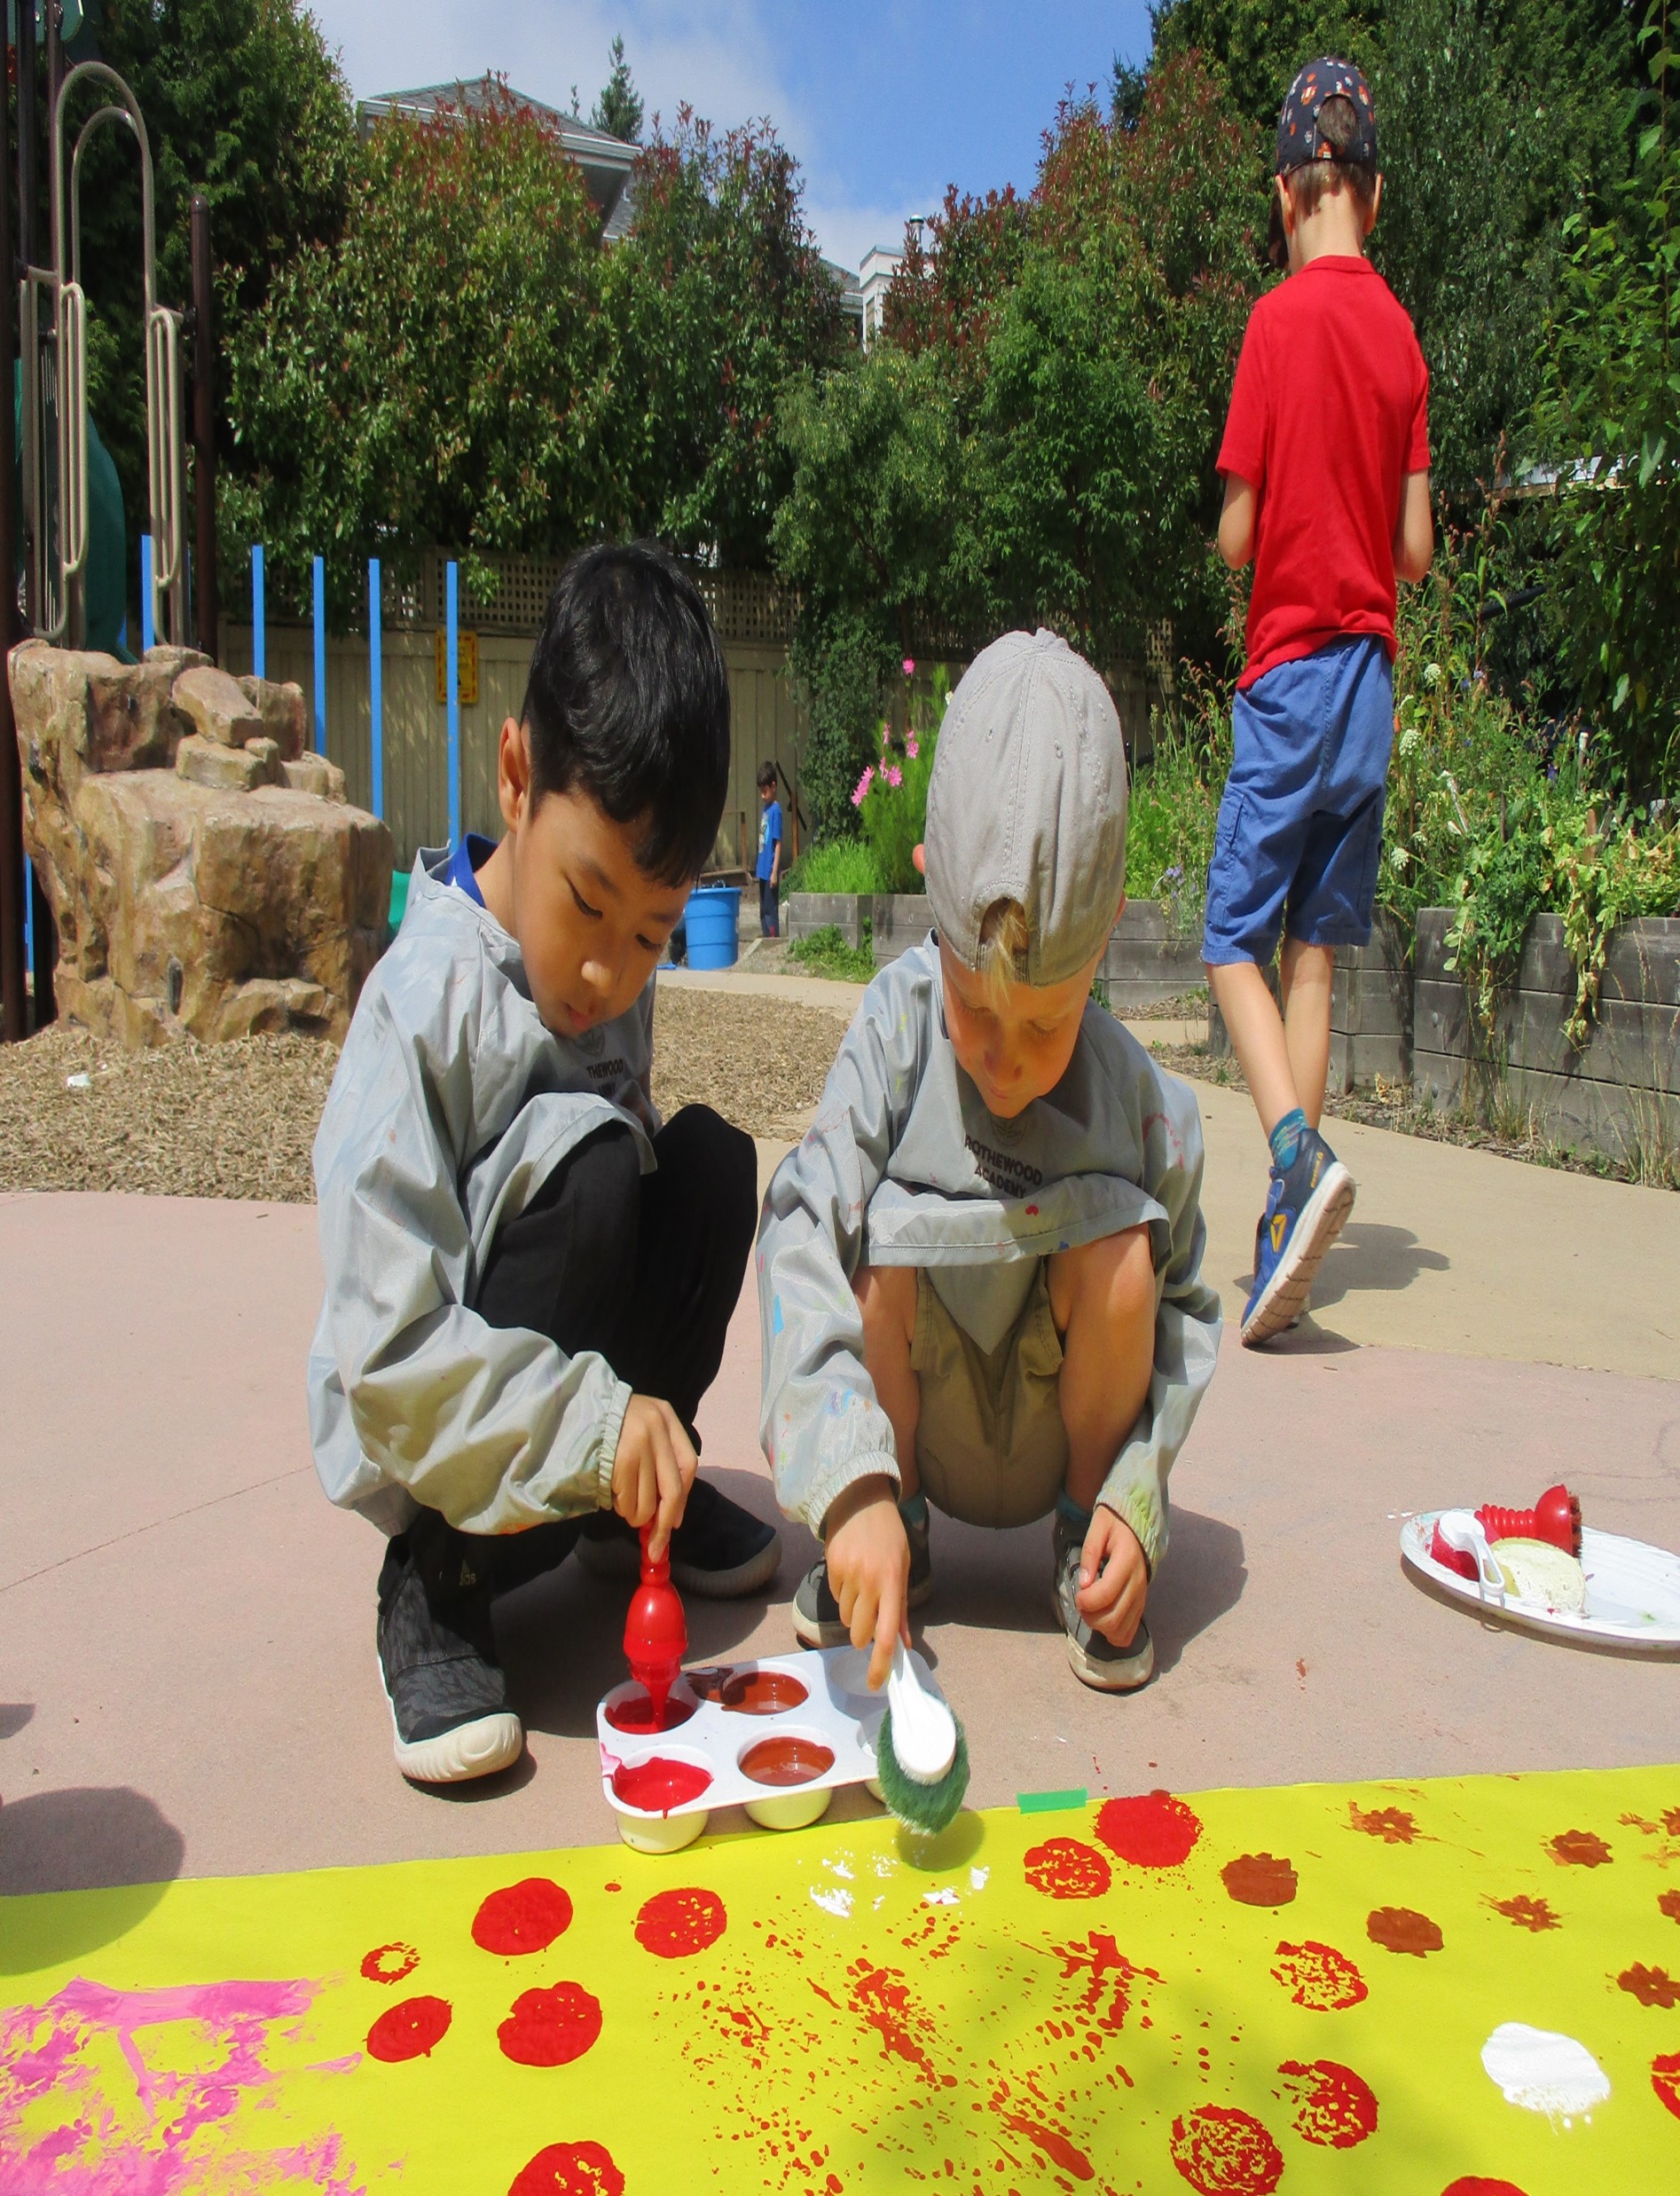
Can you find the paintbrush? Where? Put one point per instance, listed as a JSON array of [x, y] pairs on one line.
[[922, 1758]]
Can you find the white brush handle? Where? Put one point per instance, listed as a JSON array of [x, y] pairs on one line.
[[925, 1732]]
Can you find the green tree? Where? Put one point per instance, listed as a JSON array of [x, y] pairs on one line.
[[619, 110], [439, 373], [718, 295]]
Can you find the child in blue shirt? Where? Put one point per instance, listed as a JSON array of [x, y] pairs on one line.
[[769, 869]]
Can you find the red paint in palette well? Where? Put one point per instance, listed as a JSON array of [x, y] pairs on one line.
[[1221, 2151], [1152, 1829], [412, 2030], [676, 1924], [521, 1917], [1335, 2107], [569, 2170], [640, 1718], [549, 2027], [658, 1785]]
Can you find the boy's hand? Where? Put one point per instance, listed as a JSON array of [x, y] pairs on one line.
[[653, 1470], [1114, 1579], [869, 1570]]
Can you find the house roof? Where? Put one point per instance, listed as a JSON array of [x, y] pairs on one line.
[[606, 160]]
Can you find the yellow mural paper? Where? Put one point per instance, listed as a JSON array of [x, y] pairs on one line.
[[1465, 1985]]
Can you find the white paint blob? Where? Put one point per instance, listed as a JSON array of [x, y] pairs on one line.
[[979, 1879], [944, 1896], [836, 1902], [1542, 2071]]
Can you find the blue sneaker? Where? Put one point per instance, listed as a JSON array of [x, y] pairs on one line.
[[1306, 1208]]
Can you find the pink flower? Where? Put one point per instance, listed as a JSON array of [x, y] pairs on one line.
[[863, 785], [910, 747], [884, 735], [893, 775], [909, 666]]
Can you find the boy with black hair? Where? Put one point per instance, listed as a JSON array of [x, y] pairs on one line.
[[528, 1277], [769, 869], [1326, 465]]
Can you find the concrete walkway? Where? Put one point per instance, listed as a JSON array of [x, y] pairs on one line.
[[187, 1681]]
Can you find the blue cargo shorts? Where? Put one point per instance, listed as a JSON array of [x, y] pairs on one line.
[[1300, 823]]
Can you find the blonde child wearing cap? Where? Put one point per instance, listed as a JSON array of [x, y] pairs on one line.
[[979, 1273]]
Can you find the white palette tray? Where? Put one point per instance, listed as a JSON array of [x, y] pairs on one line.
[[837, 1716], [1633, 1590]]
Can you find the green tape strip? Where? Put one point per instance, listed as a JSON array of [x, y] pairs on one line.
[[1051, 1803]]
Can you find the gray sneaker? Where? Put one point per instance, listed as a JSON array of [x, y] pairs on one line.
[[816, 1614], [1094, 1661]]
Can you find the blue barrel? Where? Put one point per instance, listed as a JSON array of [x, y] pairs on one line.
[[711, 918]]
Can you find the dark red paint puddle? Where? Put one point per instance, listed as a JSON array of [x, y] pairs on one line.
[[549, 2027], [659, 1785], [786, 1760], [1150, 1831], [1318, 1977], [1061, 1867], [641, 1718], [1652, 1986], [1400, 1928], [521, 1917], [412, 2030], [390, 1963], [1335, 2107], [1579, 1849], [1222, 2151], [675, 1925], [1392, 1825], [762, 1693], [1526, 1912], [1259, 1879], [569, 2170], [1669, 1903]]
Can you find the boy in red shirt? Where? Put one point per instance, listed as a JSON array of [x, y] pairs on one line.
[[1326, 468]]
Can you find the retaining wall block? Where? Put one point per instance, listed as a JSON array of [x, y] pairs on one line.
[[845, 911]]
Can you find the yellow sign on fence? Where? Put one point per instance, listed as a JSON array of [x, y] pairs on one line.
[[466, 665]]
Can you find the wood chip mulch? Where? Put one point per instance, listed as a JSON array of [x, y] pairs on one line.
[[192, 1119]]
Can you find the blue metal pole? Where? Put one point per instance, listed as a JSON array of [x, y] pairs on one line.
[[320, 656], [148, 631], [451, 618], [376, 685], [259, 629]]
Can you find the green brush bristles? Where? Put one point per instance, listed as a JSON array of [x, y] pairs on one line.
[[926, 1808]]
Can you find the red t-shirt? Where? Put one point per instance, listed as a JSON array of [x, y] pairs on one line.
[[1330, 411]]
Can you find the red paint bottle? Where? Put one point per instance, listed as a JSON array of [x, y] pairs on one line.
[[655, 1633], [1556, 1517]]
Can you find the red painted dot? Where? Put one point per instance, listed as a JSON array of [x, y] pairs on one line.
[[1318, 1977], [569, 2170], [1479, 2185], [1061, 1867], [675, 1925], [412, 2030], [522, 1918], [1222, 2151], [390, 1963], [1665, 2080], [549, 2027], [1334, 2108], [1151, 1831]]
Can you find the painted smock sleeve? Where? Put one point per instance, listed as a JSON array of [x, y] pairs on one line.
[[495, 1427], [822, 1427], [1187, 1326]]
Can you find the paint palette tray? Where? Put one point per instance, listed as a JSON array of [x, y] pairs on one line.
[[778, 1734], [1632, 1591]]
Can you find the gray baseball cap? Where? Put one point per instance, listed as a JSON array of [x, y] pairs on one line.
[[1027, 802]]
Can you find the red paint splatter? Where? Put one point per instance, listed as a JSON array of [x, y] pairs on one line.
[[569, 2170], [412, 2030], [1669, 1903], [658, 1785], [1259, 1879], [549, 2027], [1061, 1867], [1652, 1986], [1579, 1849], [1222, 2151], [1665, 2080], [1110, 1974], [1526, 1912], [1318, 1977], [1055, 2147], [1402, 1929], [1151, 1831], [1392, 1825], [881, 1996], [522, 1918], [1335, 2107], [1477, 2184], [390, 1963], [674, 1924], [1031, 1212]]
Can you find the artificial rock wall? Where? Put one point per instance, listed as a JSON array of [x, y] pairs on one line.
[[206, 875]]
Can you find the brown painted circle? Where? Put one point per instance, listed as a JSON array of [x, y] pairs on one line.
[[762, 1693], [787, 1760]]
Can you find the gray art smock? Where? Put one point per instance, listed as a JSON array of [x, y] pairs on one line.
[[904, 1165], [452, 1104]]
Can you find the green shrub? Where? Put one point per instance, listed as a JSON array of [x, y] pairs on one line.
[[1173, 806], [842, 865], [826, 953]]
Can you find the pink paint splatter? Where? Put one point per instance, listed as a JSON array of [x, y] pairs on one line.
[[171, 2134]]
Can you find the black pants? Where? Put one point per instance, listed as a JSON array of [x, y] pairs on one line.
[[645, 1269]]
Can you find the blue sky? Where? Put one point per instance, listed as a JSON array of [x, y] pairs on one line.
[[883, 102]]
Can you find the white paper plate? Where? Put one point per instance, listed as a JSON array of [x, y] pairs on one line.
[[1633, 1590]]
